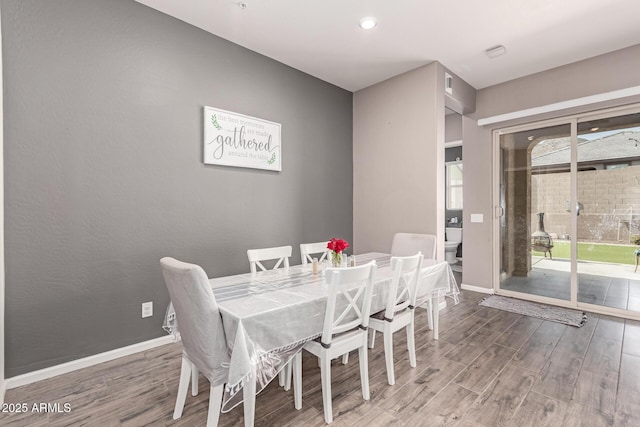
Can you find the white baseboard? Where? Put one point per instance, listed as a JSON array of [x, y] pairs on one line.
[[74, 365], [477, 289], [3, 389]]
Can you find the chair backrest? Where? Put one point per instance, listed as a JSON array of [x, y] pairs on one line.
[[352, 288], [308, 249], [279, 253], [403, 292], [406, 244], [198, 318]]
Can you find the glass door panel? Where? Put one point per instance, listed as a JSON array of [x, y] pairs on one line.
[[608, 182], [535, 223]]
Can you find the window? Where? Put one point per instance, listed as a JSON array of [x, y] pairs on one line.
[[454, 185]]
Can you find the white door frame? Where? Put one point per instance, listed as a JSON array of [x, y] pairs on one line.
[[573, 122]]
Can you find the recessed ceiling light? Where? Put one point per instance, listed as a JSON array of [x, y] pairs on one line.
[[594, 129], [368, 22], [242, 5], [495, 51]]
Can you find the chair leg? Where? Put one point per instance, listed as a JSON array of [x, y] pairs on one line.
[[194, 380], [436, 320], [364, 369], [388, 355], [411, 342], [287, 376], [185, 376], [430, 313], [297, 380], [345, 358], [215, 401], [282, 380], [249, 399], [325, 375], [372, 339]]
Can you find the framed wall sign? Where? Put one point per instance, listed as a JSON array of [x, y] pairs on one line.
[[232, 139]]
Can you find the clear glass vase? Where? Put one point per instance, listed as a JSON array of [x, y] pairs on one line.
[[336, 259]]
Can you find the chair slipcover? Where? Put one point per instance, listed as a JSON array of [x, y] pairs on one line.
[[198, 318], [407, 244]]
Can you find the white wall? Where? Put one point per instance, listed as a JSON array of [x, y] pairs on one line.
[[477, 239], [453, 128], [398, 159], [605, 73]]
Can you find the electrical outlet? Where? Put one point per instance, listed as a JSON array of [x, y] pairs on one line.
[[147, 309]]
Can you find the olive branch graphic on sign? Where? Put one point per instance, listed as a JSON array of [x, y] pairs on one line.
[[273, 158], [214, 122]]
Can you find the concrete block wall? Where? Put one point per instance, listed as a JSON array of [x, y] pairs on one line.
[[609, 198]]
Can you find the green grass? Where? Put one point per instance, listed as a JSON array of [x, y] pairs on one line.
[[601, 252]]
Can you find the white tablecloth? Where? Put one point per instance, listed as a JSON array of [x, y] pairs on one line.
[[269, 315]]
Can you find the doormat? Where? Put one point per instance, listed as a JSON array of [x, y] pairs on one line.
[[566, 316]]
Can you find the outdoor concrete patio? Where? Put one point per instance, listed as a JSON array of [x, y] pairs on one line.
[[610, 285]]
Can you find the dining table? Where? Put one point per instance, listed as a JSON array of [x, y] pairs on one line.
[[269, 315]]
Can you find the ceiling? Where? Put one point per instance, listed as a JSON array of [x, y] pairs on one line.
[[322, 37]]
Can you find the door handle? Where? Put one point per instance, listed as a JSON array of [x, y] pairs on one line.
[[579, 206]]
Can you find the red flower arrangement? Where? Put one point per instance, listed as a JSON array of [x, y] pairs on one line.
[[336, 246]]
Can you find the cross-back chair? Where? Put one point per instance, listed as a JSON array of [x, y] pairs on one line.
[[345, 328], [280, 253], [399, 310], [308, 249]]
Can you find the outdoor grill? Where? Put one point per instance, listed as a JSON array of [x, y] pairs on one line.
[[541, 241]]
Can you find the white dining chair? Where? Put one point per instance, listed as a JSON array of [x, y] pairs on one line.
[[280, 253], [344, 330], [203, 340], [399, 310], [281, 256], [308, 249], [407, 244]]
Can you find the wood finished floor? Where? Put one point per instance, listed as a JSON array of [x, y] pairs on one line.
[[489, 368]]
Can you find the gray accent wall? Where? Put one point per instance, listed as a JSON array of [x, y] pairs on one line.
[[103, 107], [3, 385], [453, 154]]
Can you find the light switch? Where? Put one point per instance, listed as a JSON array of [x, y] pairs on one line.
[[477, 218]]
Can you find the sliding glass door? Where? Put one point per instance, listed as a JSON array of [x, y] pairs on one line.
[[608, 233], [568, 211], [534, 189]]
